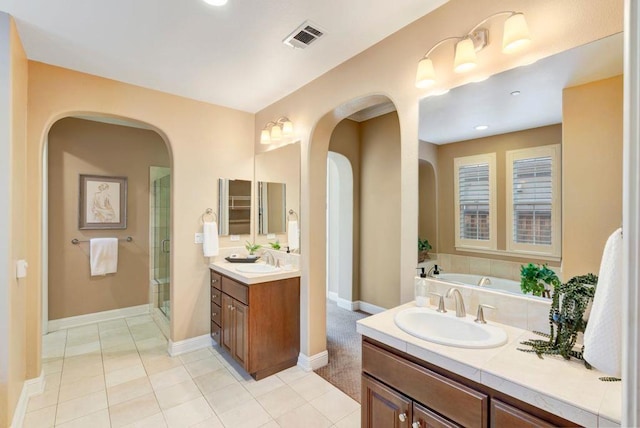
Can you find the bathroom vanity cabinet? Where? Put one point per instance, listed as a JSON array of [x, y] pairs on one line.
[[257, 324], [399, 390]]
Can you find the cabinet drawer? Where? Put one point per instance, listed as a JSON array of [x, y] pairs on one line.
[[236, 290], [215, 332], [215, 280], [449, 398], [504, 415], [216, 314], [216, 296]]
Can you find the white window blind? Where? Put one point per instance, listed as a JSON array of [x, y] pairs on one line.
[[474, 195], [532, 200]]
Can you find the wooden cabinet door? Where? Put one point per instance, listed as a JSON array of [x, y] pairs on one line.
[[228, 325], [425, 418], [241, 332], [504, 415], [382, 407]]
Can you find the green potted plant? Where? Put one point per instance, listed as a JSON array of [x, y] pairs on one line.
[[538, 280], [252, 247], [275, 245], [423, 249]]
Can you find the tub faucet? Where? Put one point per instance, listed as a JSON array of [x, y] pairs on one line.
[[484, 281], [434, 270], [455, 293]]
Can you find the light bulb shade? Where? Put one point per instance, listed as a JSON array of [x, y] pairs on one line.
[[276, 133], [516, 33], [465, 58], [287, 128], [426, 75], [265, 138], [216, 2]]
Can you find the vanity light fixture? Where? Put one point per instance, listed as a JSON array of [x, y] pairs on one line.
[[216, 2], [515, 93], [515, 35], [481, 127], [276, 131]]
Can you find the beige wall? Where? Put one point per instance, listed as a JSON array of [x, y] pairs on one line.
[[592, 172], [345, 140], [499, 144], [380, 211], [205, 142], [428, 204], [77, 147]]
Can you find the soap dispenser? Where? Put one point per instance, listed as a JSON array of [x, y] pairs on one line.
[[288, 260], [421, 289]]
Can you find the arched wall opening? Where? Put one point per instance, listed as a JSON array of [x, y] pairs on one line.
[[427, 204]]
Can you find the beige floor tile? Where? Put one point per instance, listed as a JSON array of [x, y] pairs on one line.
[[129, 390], [280, 401], [46, 399], [312, 418], [169, 377], [144, 331], [177, 394], [75, 340], [203, 366], [228, 398], [248, 415], [154, 342], [121, 362], [263, 386], [79, 407], [154, 421], [52, 366], [140, 319], [125, 375], [212, 422], [195, 355], [134, 410], [350, 421], [188, 414], [72, 375], [81, 388], [155, 363], [292, 374], [50, 352], [214, 381], [52, 381], [311, 386], [110, 342], [113, 324], [272, 424], [85, 348], [41, 418], [335, 405], [99, 419]]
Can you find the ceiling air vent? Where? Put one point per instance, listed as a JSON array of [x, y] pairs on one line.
[[304, 35]]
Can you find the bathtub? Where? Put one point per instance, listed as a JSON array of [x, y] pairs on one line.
[[472, 280]]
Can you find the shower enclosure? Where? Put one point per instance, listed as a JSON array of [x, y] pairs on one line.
[[161, 240]]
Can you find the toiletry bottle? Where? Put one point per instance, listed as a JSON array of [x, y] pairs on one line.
[[288, 260], [421, 289]]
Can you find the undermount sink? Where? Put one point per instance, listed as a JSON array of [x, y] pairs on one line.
[[447, 329], [257, 268]]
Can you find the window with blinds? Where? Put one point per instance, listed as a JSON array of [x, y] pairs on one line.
[[474, 199], [533, 200]]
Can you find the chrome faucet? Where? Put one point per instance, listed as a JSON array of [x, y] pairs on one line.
[[269, 258], [484, 281], [460, 311]]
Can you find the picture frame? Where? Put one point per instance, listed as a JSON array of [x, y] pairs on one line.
[[102, 202]]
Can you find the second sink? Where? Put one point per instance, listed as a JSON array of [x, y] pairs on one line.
[[257, 268], [447, 329]]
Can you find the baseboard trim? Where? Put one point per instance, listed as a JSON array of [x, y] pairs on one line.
[[348, 304], [30, 388], [189, 345], [313, 362], [80, 320], [333, 296], [369, 308]]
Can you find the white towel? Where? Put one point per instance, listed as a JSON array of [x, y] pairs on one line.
[[293, 235], [103, 256], [603, 335], [210, 246]]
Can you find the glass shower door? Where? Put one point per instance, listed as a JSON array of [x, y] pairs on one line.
[[162, 242]]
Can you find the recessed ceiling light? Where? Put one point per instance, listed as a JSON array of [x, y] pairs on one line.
[[482, 127], [515, 93], [216, 2]]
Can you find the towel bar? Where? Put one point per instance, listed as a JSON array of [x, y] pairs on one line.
[[292, 212], [75, 241], [209, 212]]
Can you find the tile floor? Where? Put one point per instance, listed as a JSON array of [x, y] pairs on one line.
[[118, 374]]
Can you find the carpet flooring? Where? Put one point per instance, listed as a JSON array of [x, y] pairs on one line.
[[344, 347]]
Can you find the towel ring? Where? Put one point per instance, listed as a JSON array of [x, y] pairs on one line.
[[293, 213], [209, 214]]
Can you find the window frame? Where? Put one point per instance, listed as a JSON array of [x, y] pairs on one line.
[[475, 244], [555, 249]]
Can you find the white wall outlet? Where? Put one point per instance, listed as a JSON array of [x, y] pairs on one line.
[[199, 238], [21, 268], [271, 236], [234, 237]]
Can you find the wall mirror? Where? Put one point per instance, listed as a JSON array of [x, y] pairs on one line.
[[277, 175], [234, 207], [530, 102]]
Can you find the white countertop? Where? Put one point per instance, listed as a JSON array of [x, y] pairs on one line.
[[229, 269], [565, 388]]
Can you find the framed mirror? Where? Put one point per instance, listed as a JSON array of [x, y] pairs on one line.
[[234, 207], [272, 207]]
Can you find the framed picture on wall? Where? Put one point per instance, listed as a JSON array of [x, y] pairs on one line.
[[102, 202]]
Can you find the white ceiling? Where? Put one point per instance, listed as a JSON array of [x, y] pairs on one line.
[[453, 116], [231, 55]]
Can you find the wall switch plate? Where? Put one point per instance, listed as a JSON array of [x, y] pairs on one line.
[[199, 238], [271, 236], [21, 268], [234, 237]]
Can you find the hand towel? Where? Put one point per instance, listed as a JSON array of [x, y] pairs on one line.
[[293, 235], [603, 335], [210, 246], [103, 256]]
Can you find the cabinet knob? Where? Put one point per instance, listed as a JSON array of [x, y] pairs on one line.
[[416, 424], [232, 308], [213, 281], [215, 333], [213, 314], [214, 296], [402, 417]]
